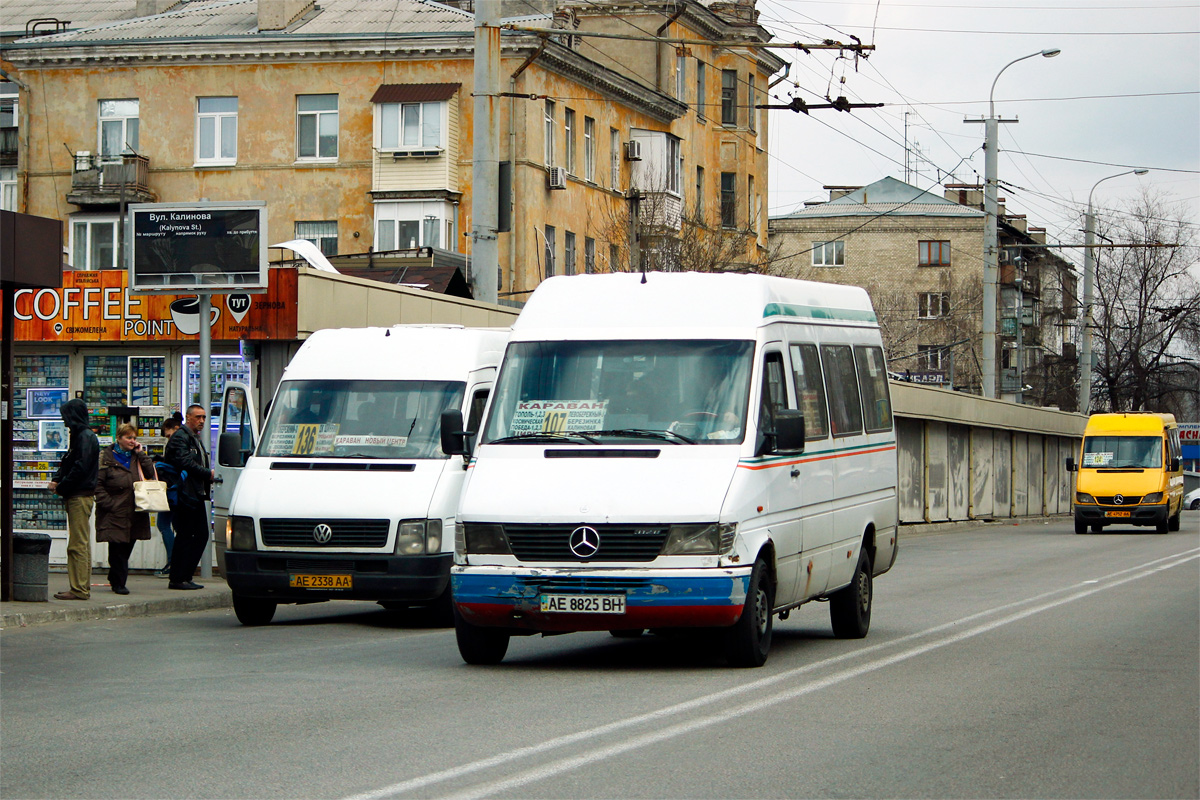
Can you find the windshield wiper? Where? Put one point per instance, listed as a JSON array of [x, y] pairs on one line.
[[544, 436], [644, 433]]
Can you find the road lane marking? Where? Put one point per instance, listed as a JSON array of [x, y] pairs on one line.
[[1040, 603]]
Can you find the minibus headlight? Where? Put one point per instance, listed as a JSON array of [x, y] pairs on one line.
[[699, 540], [433, 536], [1084, 497], [1153, 497], [239, 533], [410, 538], [460, 539], [485, 538]]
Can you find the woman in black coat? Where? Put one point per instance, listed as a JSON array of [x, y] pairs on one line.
[[118, 521]]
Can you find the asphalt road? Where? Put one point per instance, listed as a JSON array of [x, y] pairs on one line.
[[1003, 661]]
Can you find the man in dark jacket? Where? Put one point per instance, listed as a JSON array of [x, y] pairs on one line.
[[75, 482], [189, 516]]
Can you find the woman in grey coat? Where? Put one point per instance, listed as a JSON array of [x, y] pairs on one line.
[[118, 521]]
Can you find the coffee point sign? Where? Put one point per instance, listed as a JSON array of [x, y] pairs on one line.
[[97, 305]]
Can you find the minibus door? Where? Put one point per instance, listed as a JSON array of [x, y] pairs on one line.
[[237, 435]]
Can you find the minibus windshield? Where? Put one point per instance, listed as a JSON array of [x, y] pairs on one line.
[[587, 392], [1122, 452], [359, 419]]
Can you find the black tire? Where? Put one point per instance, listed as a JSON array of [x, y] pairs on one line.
[[252, 611], [628, 633], [441, 609], [481, 646], [1173, 523], [850, 607], [748, 642], [1097, 528], [1080, 527], [1161, 527]]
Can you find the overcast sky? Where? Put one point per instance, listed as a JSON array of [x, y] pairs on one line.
[[1124, 93]]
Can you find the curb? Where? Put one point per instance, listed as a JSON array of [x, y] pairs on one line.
[[145, 608]]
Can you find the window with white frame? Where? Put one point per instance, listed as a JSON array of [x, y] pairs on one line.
[[8, 188], [569, 134], [933, 305], [930, 356], [94, 242], [118, 128], [569, 254], [680, 76], [589, 149], [729, 96], [316, 127], [674, 165], [589, 255], [752, 110], [323, 234], [829, 254], [549, 238], [216, 130], [550, 130], [614, 150], [412, 126], [8, 106], [406, 224]]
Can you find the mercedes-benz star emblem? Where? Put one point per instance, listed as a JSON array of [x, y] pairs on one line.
[[322, 533], [585, 541], [1119, 499]]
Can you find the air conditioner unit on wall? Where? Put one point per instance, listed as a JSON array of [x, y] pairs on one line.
[[558, 178], [633, 150]]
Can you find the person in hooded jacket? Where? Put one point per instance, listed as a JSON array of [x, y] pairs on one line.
[[118, 521], [75, 482], [189, 516]]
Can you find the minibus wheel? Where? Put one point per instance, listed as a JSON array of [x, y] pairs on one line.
[[478, 645], [850, 607], [1173, 522], [252, 611], [1080, 526], [749, 640]]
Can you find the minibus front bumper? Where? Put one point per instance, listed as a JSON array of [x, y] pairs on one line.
[[665, 598], [290, 577], [1121, 515]]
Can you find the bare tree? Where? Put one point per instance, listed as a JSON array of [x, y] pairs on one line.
[[1146, 313]]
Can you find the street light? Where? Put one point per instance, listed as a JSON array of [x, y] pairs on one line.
[[990, 245], [1089, 269]]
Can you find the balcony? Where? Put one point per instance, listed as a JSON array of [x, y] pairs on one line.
[[97, 181]]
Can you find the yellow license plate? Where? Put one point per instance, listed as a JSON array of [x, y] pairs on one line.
[[1116, 513], [321, 582]]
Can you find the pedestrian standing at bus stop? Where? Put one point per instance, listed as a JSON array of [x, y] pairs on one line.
[[118, 520], [189, 516], [75, 483]]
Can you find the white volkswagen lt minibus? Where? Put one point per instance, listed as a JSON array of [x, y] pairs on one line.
[[677, 450]]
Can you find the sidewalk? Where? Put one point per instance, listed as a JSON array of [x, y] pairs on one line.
[[147, 595]]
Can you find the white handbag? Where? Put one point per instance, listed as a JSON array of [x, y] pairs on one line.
[[149, 495]]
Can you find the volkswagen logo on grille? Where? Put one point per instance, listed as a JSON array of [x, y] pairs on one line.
[[322, 533], [585, 541], [1119, 499]]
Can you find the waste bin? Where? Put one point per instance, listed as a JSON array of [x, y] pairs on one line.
[[31, 566]]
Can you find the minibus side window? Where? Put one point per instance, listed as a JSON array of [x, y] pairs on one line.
[[872, 379], [774, 397], [475, 414], [845, 411], [810, 391]]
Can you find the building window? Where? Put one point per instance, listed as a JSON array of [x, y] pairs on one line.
[[932, 305], [404, 225], [550, 242], [930, 356], [752, 109], [549, 133], [681, 77], [569, 254], [701, 93], [118, 128], [753, 197], [700, 194], [829, 254], [934, 254], [569, 134], [728, 199], [405, 126], [614, 258], [316, 126], [614, 145], [216, 130], [589, 255], [674, 165], [8, 188], [589, 149], [322, 234], [94, 243], [729, 97]]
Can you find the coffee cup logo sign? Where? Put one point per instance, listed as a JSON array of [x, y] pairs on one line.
[[185, 312]]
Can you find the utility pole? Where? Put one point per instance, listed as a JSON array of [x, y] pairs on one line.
[[485, 168]]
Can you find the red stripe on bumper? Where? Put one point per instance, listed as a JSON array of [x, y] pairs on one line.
[[498, 615]]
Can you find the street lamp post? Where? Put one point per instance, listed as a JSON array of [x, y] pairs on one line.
[[990, 244], [1089, 270]]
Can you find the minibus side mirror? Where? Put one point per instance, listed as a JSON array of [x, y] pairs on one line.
[[229, 450], [454, 438], [789, 431], [1070, 465], [1174, 465]]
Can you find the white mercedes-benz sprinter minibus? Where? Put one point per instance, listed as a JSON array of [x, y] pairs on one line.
[[348, 495], [678, 450]]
